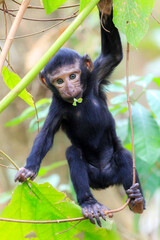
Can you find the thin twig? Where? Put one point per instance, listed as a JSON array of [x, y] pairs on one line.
[[42, 8], [44, 30], [61, 220], [1, 165], [7, 10], [68, 228], [35, 33], [5, 19], [36, 114], [9, 159], [36, 19], [118, 209], [8, 63], [69, 6], [13, 10], [155, 18], [130, 112], [43, 222], [139, 96], [12, 32], [35, 110]]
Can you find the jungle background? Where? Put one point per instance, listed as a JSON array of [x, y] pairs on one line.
[[17, 140]]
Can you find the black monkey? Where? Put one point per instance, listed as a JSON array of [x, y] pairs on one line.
[[96, 158]]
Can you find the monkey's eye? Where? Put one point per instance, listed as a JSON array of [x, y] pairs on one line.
[[60, 81], [72, 76]]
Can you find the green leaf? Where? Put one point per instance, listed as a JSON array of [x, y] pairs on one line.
[[122, 128], [75, 102], [121, 98], [27, 113], [146, 134], [42, 202], [101, 235], [153, 97], [149, 175], [43, 101], [79, 100], [51, 6], [83, 4], [11, 80], [116, 109], [157, 81], [30, 112], [131, 18], [33, 126], [122, 82], [115, 87], [44, 170], [145, 81]]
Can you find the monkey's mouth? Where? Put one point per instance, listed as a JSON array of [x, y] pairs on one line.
[[71, 99]]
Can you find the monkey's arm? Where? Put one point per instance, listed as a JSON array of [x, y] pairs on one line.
[[111, 49], [42, 144], [110, 39]]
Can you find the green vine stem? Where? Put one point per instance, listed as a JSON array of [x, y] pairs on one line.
[[47, 56], [9, 159]]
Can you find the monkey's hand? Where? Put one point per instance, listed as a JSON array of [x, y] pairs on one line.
[[137, 202], [105, 6], [25, 173], [93, 209]]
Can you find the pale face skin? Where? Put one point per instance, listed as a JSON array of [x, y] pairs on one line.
[[67, 82]]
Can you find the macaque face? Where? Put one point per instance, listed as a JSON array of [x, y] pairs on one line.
[[67, 81]]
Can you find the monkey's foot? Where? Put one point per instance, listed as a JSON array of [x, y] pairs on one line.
[[94, 210], [25, 173], [137, 203]]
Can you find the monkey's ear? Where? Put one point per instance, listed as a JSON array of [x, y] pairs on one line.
[[88, 62], [43, 81]]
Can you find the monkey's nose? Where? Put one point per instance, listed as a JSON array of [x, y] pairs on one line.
[[71, 91]]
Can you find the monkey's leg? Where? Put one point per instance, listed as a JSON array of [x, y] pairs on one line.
[[90, 207]]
